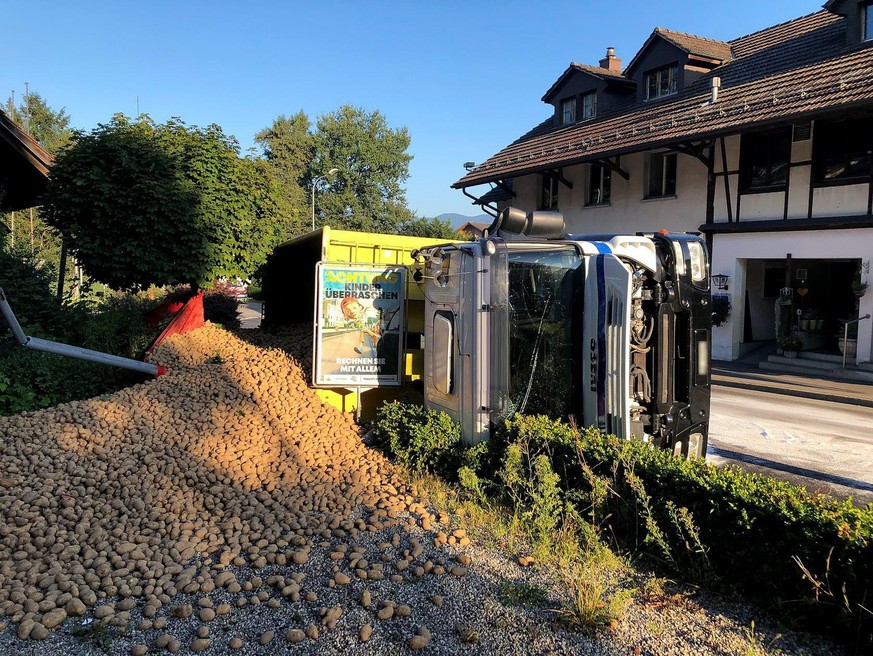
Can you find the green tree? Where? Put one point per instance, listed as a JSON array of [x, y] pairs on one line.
[[435, 228], [49, 127], [289, 148], [155, 204], [27, 229], [367, 192]]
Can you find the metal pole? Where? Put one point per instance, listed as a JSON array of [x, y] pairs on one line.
[[313, 204], [845, 340], [36, 344]]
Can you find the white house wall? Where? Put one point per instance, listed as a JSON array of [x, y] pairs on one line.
[[731, 252], [629, 210], [840, 200], [844, 200]]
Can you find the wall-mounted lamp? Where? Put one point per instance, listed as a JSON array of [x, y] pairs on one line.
[[720, 281], [469, 165]]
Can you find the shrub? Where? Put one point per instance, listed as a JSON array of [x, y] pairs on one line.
[[221, 306], [770, 540], [30, 380], [789, 343], [806, 555], [118, 326], [419, 437]]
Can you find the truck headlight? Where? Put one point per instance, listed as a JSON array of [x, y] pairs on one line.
[[698, 261], [680, 258], [696, 256]]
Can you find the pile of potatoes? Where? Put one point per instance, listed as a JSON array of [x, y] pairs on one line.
[[229, 460]]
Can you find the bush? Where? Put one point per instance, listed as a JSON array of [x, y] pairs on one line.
[[806, 555], [789, 343], [420, 438], [30, 380], [221, 306]]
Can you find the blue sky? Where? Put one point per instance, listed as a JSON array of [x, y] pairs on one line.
[[465, 78]]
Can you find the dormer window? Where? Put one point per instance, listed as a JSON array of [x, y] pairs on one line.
[[568, 111], [662, 81], [867, 22], [589, 105]]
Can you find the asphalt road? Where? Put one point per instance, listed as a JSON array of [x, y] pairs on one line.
[[824, 445]]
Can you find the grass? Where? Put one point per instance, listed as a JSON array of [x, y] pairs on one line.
[[521, 594], [592, 607], [593, 575]]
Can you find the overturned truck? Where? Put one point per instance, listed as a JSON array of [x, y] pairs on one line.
[[611, 330]]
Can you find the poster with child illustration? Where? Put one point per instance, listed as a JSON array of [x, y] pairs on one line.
[[360, 322]]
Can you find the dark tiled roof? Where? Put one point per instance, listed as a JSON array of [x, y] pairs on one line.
[[693, 45], [596, 71], [784, 72], [24, 166], [697, 45]]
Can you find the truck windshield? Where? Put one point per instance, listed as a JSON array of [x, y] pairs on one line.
[[541, 302]]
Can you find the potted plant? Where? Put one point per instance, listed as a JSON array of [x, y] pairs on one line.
[[848, 339], [859, 288], [790, 345], [721, 309]]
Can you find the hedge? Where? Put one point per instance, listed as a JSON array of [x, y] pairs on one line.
[[807, 556]]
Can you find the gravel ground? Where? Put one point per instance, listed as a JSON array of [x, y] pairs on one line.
[[277, 528]]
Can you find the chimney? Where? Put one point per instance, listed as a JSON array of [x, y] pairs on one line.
[[611, 62], [716, 85]]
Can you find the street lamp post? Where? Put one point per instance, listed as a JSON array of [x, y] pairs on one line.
[[315, 181]]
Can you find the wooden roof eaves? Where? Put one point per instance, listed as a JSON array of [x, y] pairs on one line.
[[25, 144], [667, 141], [572, 68]]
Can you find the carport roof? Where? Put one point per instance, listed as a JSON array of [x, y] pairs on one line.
[[24, 167]]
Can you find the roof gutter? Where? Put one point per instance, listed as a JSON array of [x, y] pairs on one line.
[[490, 211], [463, 183]]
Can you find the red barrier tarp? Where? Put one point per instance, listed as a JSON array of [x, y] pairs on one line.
[[189, 318]]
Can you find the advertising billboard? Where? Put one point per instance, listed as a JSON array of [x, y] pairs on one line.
[[359, 331]]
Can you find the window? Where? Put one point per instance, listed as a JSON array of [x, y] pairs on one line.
[[662, 175], [764, 158], [549, 193], [841, 150], [541, 333], [599, 185], [662, 81], [568, 111], [443, 363], [867, 22], [589, 105]]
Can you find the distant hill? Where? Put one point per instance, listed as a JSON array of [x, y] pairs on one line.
[[460, 219]]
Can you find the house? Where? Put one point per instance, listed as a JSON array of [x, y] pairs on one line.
[[24, 166], [472, 229], [763, 143]]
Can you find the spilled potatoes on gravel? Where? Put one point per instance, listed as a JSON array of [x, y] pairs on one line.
[[166, 501]]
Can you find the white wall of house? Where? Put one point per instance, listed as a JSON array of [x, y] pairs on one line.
[[628, 210], [840, 200], [731, 255]]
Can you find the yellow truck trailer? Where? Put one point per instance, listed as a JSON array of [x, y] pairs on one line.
[[340, 281]]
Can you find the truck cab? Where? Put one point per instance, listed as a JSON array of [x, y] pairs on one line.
[[612, 331]]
